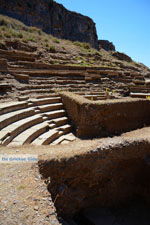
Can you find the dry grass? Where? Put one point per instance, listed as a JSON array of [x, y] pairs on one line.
[[13, 29], [80, 53]]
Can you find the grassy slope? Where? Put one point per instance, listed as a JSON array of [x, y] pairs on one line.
[[66, 52]]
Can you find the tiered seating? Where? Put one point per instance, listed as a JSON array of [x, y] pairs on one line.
[[140, 87], [35, 121], [44, 81], [14, 55], [36, 78]]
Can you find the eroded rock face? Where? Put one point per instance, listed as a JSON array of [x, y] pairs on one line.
[[52, 18], [122, 56], [106, 45]]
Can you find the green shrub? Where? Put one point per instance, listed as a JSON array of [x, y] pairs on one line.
[[52, 49], [3, 28], [39, 32], [7, 35], [82, 44], [46, 40], [19, 35], [33, 29], [3, 22], [47, 45], [25, 40], [55, 40], [86, 45], [31, 39]]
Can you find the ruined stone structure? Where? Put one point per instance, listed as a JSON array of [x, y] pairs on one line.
[[111, 173], [51, 102], [41, 119]]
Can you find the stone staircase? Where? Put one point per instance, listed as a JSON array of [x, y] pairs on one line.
[[40, 121]]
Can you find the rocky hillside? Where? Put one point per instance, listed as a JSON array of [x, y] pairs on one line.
[[14, 35], [107, 45], [52, 18]]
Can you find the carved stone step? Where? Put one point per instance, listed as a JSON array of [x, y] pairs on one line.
[[30, 134], [16, 128]]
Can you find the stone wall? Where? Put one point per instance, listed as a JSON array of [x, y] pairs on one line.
[[105, 118], [109, 174], [52, 18]]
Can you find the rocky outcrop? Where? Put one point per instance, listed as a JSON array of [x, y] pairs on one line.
[[106, 45], [52, 18], [122, 56]]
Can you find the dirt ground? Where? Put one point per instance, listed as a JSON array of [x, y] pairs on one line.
[[24, 198]]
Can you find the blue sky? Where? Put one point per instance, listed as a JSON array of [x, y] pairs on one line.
[[124, 22]]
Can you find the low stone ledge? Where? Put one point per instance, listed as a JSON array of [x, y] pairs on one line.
[[22, 77], [3, 65], [111, 173], [5, 87], [105, 118]]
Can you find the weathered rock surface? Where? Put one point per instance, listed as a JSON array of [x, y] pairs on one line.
[[3, 64], [122, 56], [5, 87], [106, 45], [52, 18], [18, 45]]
